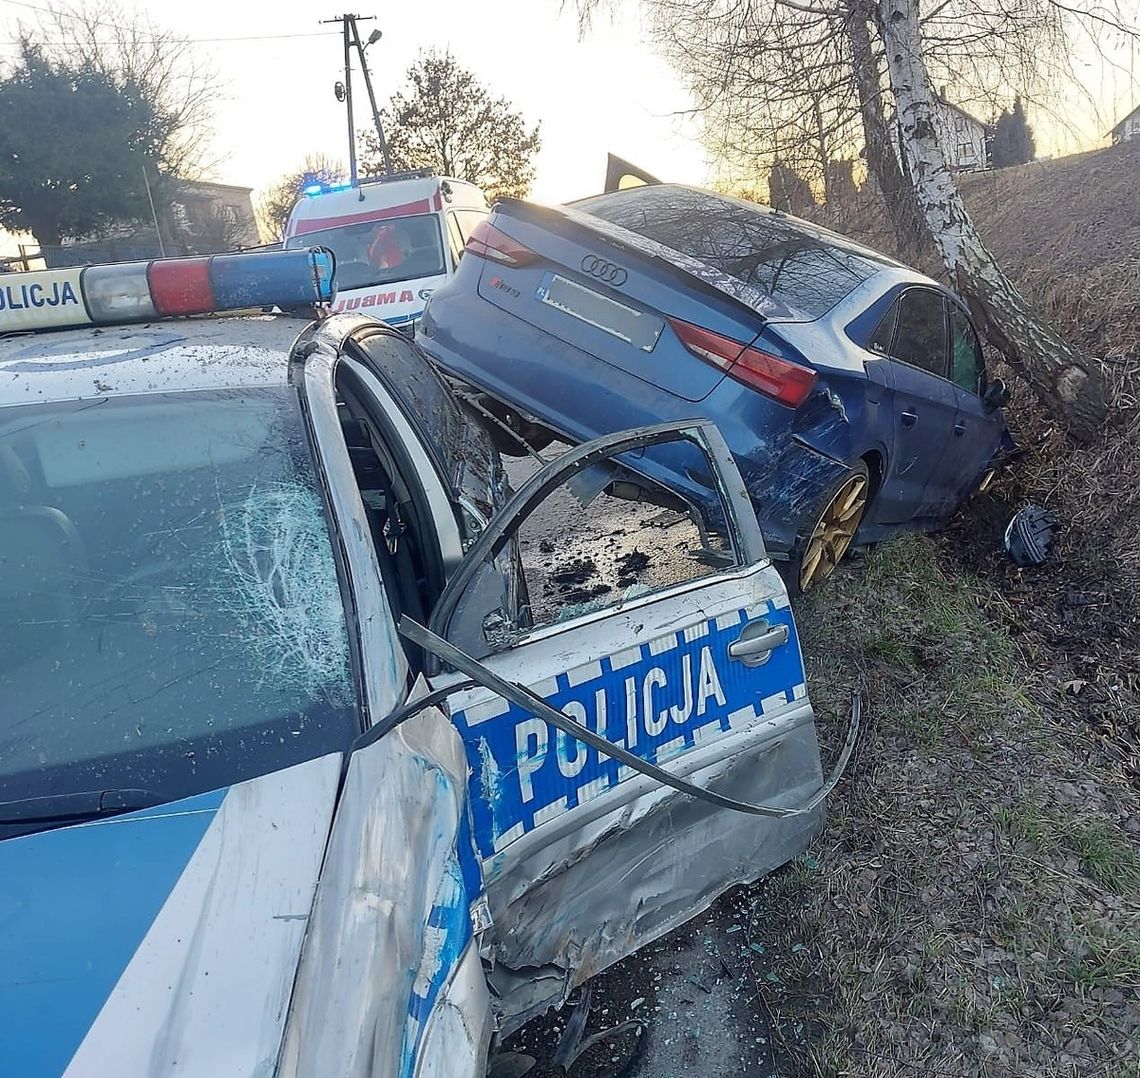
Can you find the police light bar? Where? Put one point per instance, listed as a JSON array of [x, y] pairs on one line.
[[164, 288]]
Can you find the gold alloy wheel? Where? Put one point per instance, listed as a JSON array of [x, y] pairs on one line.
[[834, 532]]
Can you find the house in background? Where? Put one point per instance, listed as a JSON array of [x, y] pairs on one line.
[[195, 218], [215, 214], [962, 136], [1128, 128]]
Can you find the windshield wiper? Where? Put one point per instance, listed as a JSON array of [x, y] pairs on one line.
[[77, 806]]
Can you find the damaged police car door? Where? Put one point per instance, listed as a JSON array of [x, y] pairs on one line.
[[689, 671]]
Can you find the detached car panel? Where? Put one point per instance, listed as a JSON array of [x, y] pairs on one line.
[[248, 826]]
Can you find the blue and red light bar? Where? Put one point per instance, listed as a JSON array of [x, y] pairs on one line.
[[164, 288]]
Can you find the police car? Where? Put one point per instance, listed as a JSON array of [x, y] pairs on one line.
[[297, 777]]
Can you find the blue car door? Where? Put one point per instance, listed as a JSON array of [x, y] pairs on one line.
[[925, 408], [978, 429]]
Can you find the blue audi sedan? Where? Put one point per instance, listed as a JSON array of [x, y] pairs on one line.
[[851, 389]]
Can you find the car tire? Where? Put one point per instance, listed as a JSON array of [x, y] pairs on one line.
[[830, 529]]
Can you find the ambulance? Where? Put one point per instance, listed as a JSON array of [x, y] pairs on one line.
[[396, 238]]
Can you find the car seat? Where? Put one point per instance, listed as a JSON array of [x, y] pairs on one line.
[[41, 564]]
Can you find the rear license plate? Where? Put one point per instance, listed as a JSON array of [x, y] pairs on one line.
[[626, 323]]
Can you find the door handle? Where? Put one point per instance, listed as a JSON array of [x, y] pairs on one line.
[[959, 428], [908, 418], [757, 640]]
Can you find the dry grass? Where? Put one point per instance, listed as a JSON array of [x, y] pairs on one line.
[[974, 905]]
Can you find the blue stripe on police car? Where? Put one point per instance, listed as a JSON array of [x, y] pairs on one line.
[[659, 700]]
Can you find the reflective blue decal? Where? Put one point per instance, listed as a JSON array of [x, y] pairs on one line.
[[446, 935], [658, 699], [75, 904]]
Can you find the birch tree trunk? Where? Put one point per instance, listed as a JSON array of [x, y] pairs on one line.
[[1070, 385], [906, 217]]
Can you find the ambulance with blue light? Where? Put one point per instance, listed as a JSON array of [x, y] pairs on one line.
[[301, 772], [396, 238]]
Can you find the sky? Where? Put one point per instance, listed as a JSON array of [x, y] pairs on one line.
[[604, 92]]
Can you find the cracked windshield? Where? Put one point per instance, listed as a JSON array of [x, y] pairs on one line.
[[171, 618]]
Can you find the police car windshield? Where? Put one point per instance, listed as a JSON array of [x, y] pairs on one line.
[[170, 613], [381, 252]]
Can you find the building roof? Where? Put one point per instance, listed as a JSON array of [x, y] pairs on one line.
[[960, 111], [209, 187], [155, 357], [1124, 119]]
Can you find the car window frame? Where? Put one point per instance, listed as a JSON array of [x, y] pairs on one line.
[[897, 305], [979, 353], [745, 536], [455, 238], [368, 610], [459, 211]]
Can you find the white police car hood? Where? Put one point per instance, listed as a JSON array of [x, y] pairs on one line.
[[165, 941]]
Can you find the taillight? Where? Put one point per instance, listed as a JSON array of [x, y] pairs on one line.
[[487, 241], [788, 383]]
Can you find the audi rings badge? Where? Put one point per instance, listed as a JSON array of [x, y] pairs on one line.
[[604, 271]]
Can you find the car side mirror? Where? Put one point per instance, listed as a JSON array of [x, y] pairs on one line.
[[996, 395]]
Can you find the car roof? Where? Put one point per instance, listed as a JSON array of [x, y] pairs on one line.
[[787, 220], [152, 357]]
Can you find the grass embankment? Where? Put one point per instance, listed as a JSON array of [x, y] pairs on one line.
[[973, 907]]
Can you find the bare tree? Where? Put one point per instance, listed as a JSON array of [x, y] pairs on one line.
[[158, 65], [446, 120], [277, 201], [1070, 384], [768, 67]]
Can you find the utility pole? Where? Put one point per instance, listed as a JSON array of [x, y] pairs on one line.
[[372, 39], [351, 36], [153, 212]]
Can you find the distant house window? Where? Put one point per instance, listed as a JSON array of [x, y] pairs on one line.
[[231, 214]]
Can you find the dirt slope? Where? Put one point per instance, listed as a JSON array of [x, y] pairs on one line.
[[1068, 231]]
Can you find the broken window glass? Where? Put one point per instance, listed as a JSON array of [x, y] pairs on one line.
[[170, 612], [606, 536]]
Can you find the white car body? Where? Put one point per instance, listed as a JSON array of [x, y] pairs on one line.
[[396, 900]]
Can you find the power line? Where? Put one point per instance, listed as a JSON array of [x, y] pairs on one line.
[[156, 40], [194, 40]]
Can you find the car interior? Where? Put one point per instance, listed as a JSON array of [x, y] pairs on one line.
[[399, 522]]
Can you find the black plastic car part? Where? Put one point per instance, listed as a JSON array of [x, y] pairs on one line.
[[1030, 534]]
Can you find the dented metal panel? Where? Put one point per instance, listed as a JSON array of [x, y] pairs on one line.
[[586, 860], [386, 980], [577, 905], [206, 991]]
